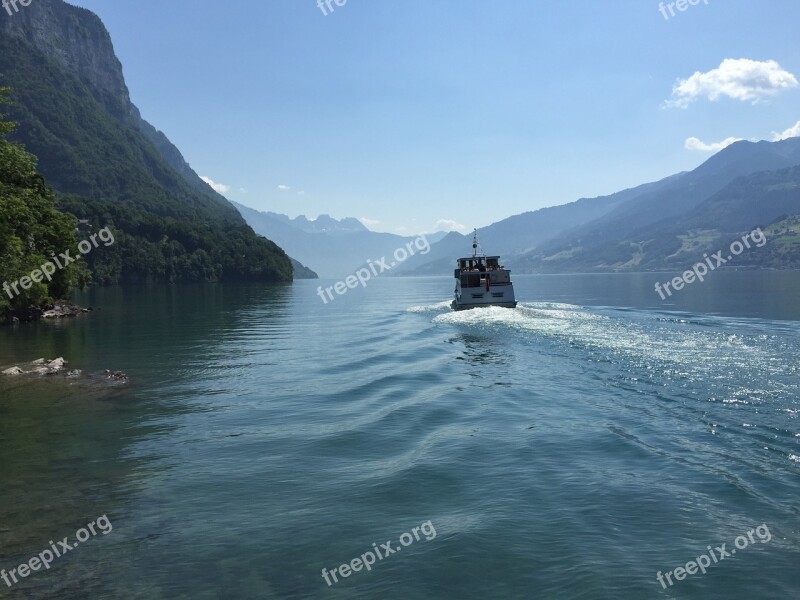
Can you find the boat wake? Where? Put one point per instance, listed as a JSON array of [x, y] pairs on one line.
[[646, 344], [428, 308], [545, 316]]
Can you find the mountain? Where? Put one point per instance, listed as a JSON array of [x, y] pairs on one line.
[[322, 224], [112, 168], [659, 225], [333, 248], [301, 271], [743, 186], [687, 190], [519, 234]]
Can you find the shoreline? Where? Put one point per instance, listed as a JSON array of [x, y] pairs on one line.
[[58, 310]]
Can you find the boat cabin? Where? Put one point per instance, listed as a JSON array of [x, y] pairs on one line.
[[479, 263], [473, 271]]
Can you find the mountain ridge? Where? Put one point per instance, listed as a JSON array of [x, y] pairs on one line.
[[331, 255], [74, 113], [615, 241], [611, 234]]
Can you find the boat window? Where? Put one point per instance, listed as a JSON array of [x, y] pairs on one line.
[[471, 280]]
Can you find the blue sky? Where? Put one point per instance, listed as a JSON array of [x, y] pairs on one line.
[[417, 115]]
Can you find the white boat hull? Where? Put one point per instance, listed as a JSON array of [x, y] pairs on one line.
[[501, 295]]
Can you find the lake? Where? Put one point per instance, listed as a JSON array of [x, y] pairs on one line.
[[576, 447]]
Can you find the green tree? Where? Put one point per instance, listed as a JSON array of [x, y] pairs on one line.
[[32, 231]]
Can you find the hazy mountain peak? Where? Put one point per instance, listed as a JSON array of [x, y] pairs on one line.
[[324, 223]]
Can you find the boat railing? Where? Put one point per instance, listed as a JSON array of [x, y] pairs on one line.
[[474, 279]]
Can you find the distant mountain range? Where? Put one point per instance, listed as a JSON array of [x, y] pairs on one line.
[[519, 234], [744, 186], [322, 224], [332, 248], [663, 225]]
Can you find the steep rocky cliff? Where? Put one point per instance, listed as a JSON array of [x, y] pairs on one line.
[[76, 39], [112, 167]]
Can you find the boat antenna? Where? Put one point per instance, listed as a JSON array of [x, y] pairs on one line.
[[475, 244]]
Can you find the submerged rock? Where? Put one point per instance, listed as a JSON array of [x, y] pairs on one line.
[[117, 376], [45, 367], [48, 368]]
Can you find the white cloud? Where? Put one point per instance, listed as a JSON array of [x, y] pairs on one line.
[[242, 190], [284, 188], [793, 131], [217, 187], [695, 144], [738, 78], [369, 222], [449, 225]]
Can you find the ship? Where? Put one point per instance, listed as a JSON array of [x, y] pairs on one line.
[[482, 281]]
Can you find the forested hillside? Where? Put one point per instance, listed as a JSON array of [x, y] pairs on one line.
[[32, 232], [73, 112]]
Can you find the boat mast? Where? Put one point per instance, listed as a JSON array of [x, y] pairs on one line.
[[475, 244]]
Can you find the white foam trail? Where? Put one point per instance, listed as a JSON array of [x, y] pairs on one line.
[[675, 350], [438, 307]]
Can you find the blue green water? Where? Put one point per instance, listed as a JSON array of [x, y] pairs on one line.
[[570, 448]]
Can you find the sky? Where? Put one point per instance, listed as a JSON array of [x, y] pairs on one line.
[[423, 115]]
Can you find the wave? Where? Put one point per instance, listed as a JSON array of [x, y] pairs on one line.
[[693, 348], [426, 308]]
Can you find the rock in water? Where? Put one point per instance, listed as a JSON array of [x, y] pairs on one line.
[[55, 369]]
